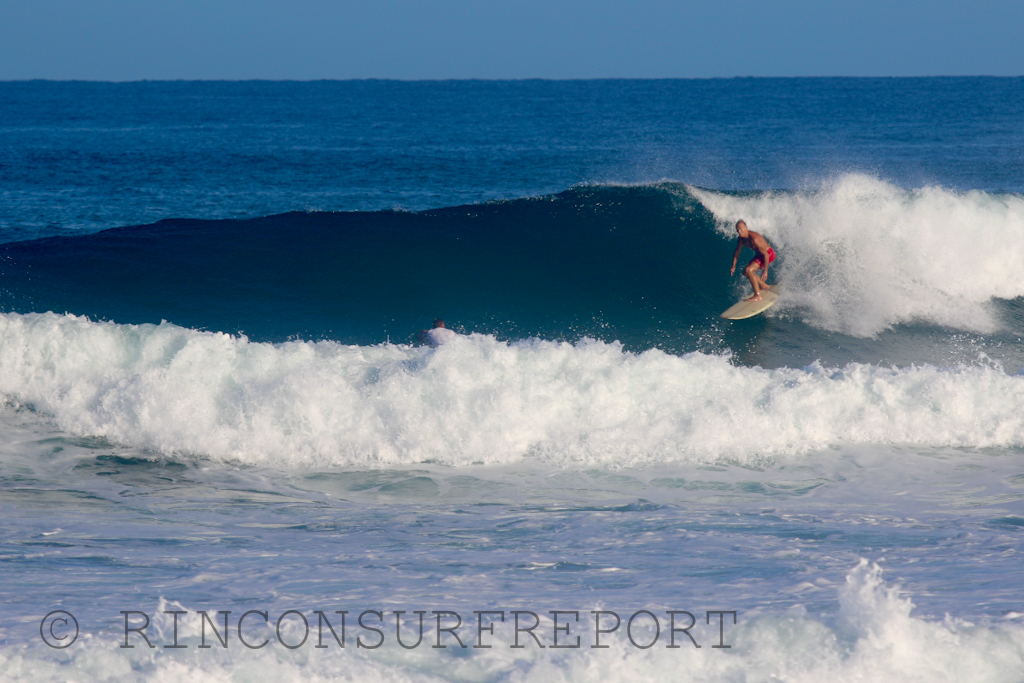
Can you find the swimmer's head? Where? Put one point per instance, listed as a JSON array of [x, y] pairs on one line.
[[438, 322]]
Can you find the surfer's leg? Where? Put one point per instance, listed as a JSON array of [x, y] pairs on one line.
[[764, 278], [755, 281]]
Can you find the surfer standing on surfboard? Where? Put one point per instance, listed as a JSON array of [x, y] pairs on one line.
[[764, 255]]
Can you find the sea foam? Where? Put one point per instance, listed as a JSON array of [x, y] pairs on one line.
[[476, 399], [859, 255], [873, 638]]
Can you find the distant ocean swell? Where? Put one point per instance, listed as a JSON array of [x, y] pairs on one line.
[[476, 400]]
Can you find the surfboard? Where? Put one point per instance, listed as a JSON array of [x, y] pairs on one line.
[[748, 309]]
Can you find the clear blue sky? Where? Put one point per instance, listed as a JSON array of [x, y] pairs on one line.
[[423, 39]]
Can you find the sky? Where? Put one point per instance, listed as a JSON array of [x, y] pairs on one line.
[[121, 40]]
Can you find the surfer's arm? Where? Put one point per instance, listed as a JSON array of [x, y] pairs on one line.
[[736, 256]]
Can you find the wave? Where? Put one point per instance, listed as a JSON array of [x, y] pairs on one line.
[[873, 637], [862, 255], [591, 261], [477, 399], [644, 265]]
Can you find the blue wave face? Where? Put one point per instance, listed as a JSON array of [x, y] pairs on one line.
[[603, 261], [647, 266]]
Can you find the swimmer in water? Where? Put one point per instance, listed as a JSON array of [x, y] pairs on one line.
[[437, 335]]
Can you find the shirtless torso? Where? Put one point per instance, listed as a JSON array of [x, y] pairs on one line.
[[763, 256]]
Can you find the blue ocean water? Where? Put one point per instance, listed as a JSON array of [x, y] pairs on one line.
[[213, 400]]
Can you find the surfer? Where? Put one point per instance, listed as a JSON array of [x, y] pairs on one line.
[[764, 255], [437, 335]]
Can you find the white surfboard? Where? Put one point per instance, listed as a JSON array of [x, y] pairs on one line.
[[748, 309]]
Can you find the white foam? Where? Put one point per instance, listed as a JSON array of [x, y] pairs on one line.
[[875, 638], [476, 399], [860, 255]]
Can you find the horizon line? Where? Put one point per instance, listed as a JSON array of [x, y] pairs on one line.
[[505, 80]]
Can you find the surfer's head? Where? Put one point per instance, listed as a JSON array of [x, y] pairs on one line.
[[438, 322], [741, 228]]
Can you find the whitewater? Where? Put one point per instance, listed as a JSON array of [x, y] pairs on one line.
[[477, 400], [864, 255]]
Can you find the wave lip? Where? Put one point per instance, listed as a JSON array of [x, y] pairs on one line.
[[305, 404], [861, 255]]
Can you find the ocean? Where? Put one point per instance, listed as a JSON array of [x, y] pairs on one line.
[[224, 455]]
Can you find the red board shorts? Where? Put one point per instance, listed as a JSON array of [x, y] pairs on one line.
[[760, 262]]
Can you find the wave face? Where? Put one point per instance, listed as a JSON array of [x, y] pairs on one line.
[[477, 399], [647, 266], [622, 260]]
